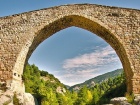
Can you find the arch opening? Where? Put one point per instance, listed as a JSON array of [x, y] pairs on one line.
[[92, 26], [64, 43], [69, 46]]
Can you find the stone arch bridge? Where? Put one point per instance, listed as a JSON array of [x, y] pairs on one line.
[[20, 34]]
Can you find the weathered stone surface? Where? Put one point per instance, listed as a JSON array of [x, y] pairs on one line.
[[28, 99], [137, 100], [6, 98], [125, 103], [119, 101], [20, 34]]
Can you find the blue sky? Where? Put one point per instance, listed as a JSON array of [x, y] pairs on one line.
[[73, 55]]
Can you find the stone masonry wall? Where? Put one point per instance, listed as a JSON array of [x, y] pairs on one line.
[[20, 34]]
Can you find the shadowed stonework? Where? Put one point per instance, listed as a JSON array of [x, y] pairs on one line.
[[20, 34]]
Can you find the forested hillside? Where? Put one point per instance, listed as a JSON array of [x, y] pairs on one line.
[[50, 91], [44, 86], [91, 82]]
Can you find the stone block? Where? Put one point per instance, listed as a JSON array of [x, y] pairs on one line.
[[118, 100]]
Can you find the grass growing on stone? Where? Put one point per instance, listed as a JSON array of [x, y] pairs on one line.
[[16, 100], [130, 98]]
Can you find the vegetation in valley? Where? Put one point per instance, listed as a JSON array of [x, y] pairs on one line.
[[98, 79], [44, 87]]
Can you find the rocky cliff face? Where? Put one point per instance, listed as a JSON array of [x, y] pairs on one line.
[[29, 99], [15, 93], [10, 98], [60, 90]]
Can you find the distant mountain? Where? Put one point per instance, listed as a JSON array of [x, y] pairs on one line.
[[98, 79], [67, 86]]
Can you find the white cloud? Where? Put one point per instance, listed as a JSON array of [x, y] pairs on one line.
[[77, 77], [99, 57], [86, 66]]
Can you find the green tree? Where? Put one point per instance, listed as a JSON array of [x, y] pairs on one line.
[[82, 96], [95, 96]]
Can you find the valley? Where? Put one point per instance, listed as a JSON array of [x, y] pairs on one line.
[[48, 90]]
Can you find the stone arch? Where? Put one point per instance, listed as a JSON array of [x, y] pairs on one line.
[[20, 34], [89, 25]]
